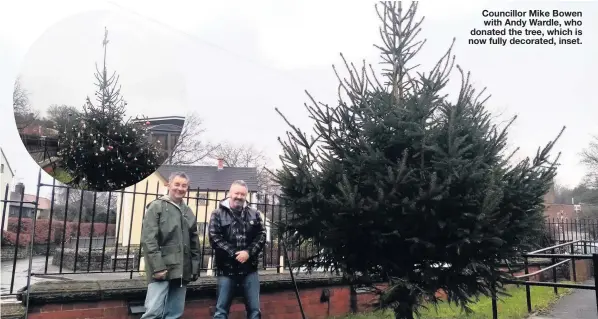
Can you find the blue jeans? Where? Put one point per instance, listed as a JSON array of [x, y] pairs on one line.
[[165, 300], [251, 292]]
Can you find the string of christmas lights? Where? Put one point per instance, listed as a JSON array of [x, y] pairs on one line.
[[91, 149], [109, 147]]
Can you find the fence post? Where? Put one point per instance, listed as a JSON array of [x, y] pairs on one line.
[[528, 296], [595, 266], [554, 274], [29, 269], [573, 260], [585, 247]]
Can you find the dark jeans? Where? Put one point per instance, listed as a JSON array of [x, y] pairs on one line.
[[251, 291]]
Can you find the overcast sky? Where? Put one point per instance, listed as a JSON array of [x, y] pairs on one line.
[[233, 62]]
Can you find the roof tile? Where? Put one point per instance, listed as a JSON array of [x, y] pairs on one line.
[[209, 177]]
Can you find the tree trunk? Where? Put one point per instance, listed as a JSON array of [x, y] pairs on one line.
[[404, 312], [353, 299]]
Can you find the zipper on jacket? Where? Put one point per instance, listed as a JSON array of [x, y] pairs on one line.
[[183, 224]]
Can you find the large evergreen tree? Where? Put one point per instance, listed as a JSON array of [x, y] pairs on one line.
[[401, 183], [101, 150]]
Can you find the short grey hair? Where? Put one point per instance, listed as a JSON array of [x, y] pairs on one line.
[[178, 174], [240, 183]]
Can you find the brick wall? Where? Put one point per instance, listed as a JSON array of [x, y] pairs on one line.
[[111, 299], [279, 305]]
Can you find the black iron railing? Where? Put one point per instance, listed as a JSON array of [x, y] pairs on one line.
[[40, 148], [566, 251], [85, 232]]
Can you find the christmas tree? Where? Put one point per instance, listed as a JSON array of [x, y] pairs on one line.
[[101, 150], [402, 184]]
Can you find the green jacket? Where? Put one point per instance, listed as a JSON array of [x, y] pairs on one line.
[[170, 240]]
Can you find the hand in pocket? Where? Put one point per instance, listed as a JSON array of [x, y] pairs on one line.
[[161, 275]]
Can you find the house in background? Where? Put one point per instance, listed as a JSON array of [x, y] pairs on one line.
[[6, 178], [568, 212], [208, 185], [557, 211], [27, 208], [165, 130], [38, 130]]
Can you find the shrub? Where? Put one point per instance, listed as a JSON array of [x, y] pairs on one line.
[[10, 239], [43, 234]]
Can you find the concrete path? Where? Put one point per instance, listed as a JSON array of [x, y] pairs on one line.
[[580, 304]]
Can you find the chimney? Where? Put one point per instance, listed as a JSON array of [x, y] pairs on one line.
[[220, 164], [19, 188]]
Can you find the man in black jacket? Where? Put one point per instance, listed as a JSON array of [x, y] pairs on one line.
[[237, 235]]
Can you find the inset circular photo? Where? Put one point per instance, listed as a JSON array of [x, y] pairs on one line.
[[100, 103]]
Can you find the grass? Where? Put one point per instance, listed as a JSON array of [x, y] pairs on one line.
[[61, 175], [509, 307]]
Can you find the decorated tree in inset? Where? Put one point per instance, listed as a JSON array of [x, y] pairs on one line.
[[401, 184], [99, 148]]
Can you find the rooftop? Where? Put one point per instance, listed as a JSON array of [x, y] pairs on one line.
[[6, 161], [211, 178], [165, 127], [42, 203]]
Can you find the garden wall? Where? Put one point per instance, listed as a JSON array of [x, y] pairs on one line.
[[98, 259], [8, 252], [119, 298], [48, 236], [112, 299]]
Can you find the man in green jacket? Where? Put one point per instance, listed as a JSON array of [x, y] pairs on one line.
[[170, 245]]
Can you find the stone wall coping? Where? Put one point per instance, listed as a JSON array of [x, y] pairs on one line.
[[12, 311], [135, 289]]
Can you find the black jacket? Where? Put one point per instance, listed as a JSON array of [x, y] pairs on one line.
[[230, 232]]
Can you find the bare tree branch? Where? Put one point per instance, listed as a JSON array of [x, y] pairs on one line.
[[590, 159], [248, 156], [60, 115], [83, 205], [24, 114], [190, 148]]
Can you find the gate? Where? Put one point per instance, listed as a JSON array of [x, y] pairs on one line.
[[585, 246]]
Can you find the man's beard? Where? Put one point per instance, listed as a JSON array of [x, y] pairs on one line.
[[238, 203]]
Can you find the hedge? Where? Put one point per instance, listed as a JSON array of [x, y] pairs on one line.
[[42, 227]]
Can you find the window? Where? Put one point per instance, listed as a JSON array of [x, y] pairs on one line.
[[160, 138], [172, 141], [163, 143]]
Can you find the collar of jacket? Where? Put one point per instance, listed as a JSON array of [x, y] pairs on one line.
[[182, 207], [225, 203]]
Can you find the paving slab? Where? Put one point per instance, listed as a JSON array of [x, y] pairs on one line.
[[580, 304]]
